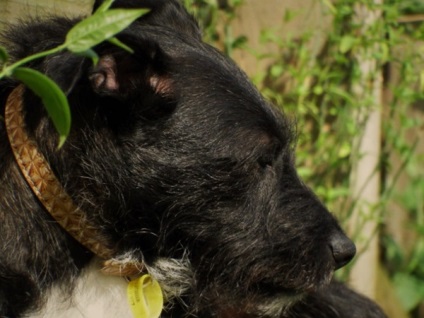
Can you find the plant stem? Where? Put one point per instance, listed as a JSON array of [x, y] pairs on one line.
[[8, 70]]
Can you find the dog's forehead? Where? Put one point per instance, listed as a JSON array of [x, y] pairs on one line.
[[233, 116], [220, 95]]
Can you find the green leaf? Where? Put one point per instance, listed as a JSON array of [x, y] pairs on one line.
[[100, 27], [410, 290], [123, 46], [91, 54], [318, 90], [276, 70], [53, 98], [239, 42], [346, 44], [104, 6], [3, 55]]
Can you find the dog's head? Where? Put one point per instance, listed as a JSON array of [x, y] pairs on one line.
[[178, 159]]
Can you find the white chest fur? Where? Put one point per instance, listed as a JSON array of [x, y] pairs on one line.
[[95, 296], [100, 296]]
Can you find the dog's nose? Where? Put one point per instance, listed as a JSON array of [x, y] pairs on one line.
[[342, 248]]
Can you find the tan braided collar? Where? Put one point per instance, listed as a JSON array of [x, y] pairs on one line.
[[42, 181]]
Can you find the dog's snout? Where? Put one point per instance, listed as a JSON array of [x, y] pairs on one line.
[[342, 248]]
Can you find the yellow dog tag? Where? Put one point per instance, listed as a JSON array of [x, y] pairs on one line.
[[145, 297]]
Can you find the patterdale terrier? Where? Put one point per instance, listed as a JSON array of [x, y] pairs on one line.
[[176, 166]]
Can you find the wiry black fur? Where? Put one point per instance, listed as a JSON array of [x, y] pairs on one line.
[[184, 159]]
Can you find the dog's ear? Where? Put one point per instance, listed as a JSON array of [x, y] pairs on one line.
[[120, 74], [124, 75]]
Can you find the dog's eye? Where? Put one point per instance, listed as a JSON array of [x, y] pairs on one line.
[[268, 158], [265, 161]]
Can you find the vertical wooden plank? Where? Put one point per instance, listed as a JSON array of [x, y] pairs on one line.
[[365, 177]]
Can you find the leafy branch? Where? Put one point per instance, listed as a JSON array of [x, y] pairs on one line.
[[102, 26]]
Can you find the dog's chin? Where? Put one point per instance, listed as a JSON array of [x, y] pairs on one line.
[[274, 299]]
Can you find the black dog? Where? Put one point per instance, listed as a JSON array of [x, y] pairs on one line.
[[180, 165]]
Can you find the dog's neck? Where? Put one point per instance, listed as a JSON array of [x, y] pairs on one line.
[[51, 194], [44, 184]]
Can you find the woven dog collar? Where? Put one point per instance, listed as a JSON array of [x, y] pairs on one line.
[[42, 181]]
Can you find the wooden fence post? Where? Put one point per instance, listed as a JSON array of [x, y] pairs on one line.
[[365, 176]]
